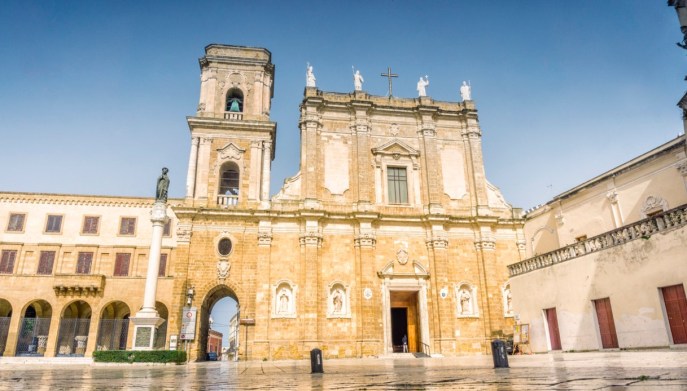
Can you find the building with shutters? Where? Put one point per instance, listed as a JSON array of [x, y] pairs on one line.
[[607, 258]]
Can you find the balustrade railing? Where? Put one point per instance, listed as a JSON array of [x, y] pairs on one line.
[[642, 229], [425, 349], [233, 115], [227, 200]]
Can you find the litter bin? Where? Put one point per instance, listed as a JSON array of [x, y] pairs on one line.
[[499, 353], [316, 361]]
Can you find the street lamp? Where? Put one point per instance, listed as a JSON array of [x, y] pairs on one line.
[[681, 9], [189, 295]]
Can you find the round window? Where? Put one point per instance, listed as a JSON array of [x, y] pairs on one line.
[[224, 246]]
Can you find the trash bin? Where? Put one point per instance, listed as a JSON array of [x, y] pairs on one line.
[[498, 352], [316, 361]]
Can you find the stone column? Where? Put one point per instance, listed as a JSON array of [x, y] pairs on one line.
[[192, 166], [266, 166], [147, 320]]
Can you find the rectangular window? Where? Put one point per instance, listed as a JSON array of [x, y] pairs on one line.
[[398, 185], [167, 231], [54, 224], [16, 223], [46, 262], [122, 264], [90, 225], [83, 264], [7, 261], [127, 226], [162, 271]]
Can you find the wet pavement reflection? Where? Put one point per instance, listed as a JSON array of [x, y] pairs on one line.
[[643, 370]]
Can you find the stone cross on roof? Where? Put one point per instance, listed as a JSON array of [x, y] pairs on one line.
[[389, 75]]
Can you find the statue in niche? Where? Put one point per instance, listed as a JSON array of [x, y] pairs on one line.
[[466, 91], [358, 80], [465, 302], [309, 76], [162, 186], [421, 85], [337, 301], [509, 301], [283, 299]]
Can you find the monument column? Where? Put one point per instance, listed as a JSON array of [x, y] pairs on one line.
[[147, 320]]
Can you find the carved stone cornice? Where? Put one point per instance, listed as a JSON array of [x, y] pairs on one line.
[[367, 239], [311, 238]]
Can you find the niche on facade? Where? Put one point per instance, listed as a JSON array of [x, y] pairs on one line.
[[466, 300], [507, 301], [224, 247], [338, 300], [284, 299]]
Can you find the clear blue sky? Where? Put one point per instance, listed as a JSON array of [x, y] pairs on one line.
[[93, 95]]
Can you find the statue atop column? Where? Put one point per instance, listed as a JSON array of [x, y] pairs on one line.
[[358, 80], [162, 186], [421, 84], [465, 91], [309, 76]]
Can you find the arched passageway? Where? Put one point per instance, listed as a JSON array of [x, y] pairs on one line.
[[219, 313], [73, 332], [161, 333], [114, 327], [33, 329], [5, 317]]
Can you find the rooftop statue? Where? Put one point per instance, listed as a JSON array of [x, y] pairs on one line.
[[309, 76], [421, 84], [465, 91], [358, 81]]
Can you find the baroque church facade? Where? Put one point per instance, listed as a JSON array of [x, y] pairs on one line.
[[390, 230]]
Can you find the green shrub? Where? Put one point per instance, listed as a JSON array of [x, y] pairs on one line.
[[131, 356]]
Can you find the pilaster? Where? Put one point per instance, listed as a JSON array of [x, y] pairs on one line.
[[472, 138], [361, 132], [311, 296], [432, 168]]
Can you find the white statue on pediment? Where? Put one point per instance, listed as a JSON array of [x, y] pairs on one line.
[[421, 86], [358, 81], [309, 76], [466, 91]]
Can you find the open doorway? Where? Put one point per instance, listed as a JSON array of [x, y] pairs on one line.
[[219, 327], [404, 321]]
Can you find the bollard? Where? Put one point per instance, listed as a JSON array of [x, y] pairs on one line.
[[498, 352], [316, 361]]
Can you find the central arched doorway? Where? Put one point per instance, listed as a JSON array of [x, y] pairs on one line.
[[219, 324]]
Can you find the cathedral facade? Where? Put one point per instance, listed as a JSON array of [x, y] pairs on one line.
[[390, 232]]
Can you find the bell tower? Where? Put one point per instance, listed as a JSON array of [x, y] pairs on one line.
[[232, 137]]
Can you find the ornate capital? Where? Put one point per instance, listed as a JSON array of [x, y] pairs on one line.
[[560, 219], [428, 129], [682, 168], [311, 120], [311, 238], [158, 214], [437, 242], [367, 239], [265, 238], [485, 245], [612, 196], [521, 245]]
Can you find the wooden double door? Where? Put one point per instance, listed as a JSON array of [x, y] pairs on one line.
[[604, 315], [676, 311]]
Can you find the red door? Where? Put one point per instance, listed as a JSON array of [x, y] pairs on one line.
[[554, 335], [604, 314], [676, 309]]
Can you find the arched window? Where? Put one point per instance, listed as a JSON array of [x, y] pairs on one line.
[[228, 185], [234, 101]]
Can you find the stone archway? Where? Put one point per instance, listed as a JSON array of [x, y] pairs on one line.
[[75, 324], [5, 317], [213, 296], [34, 328], [113, 329]]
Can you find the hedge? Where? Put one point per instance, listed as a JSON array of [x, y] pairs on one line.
[[130, 356]]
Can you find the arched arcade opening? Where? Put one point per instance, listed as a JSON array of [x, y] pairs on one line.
[[219, 324], [33, 329], [113, 331], [75, 323], [5, 317]]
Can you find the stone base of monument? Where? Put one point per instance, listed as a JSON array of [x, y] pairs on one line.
[[145, 328]]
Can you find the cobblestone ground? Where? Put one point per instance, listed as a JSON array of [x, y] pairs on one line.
[[664, 370]]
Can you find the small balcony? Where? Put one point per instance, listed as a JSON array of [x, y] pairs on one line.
[[233, 115], [227, 201], [78, 284]]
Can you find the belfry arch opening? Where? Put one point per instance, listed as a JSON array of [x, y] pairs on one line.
[[234, 101], [219, 325]]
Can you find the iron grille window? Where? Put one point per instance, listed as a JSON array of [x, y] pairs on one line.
[[54, 224], [398, 185], [90, 225], [83, 264], [122, 264], [7, 261], [46, 262], [127, 226], [16, 223], [229, 184], [162, 271]]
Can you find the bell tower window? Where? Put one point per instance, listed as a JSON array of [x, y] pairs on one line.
[[229, 185], [234, 101]]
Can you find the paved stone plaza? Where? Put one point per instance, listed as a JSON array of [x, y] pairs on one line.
[[665, 370]]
